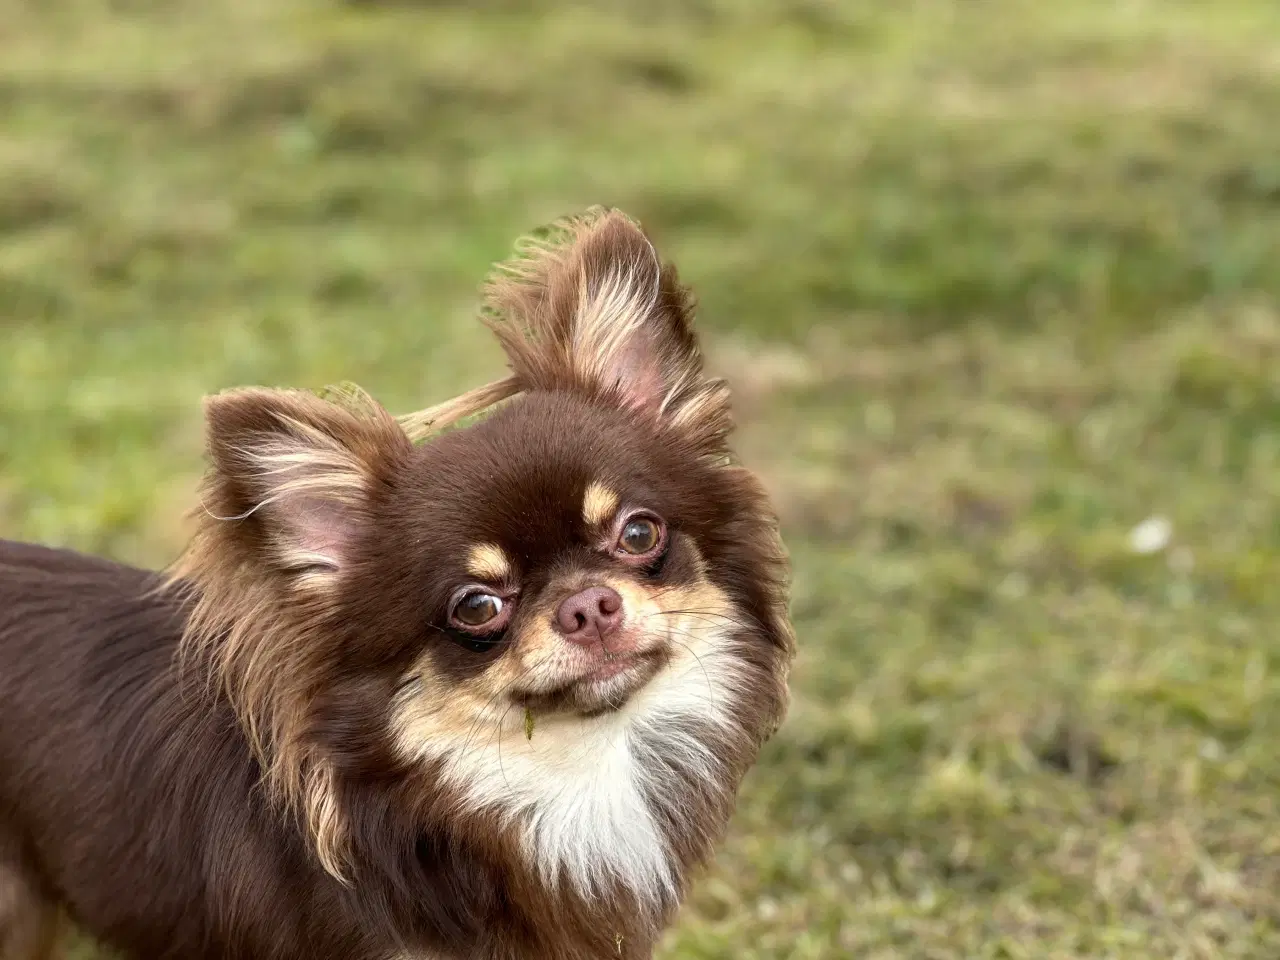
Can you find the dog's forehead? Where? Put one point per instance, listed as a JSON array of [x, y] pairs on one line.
[[537, 478]]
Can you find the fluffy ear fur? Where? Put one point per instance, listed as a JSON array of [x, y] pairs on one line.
[[291, 474], [289, 485], [589, 306]]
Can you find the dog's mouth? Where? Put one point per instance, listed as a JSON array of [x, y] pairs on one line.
[[603, 687]]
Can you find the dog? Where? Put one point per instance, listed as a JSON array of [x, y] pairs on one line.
[[476, 683]]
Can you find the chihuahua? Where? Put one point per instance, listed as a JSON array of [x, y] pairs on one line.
[[476, 683]]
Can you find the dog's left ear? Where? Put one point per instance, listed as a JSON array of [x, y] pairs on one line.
[[593, 308]]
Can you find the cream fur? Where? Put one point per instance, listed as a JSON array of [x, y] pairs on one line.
[[579, 787]]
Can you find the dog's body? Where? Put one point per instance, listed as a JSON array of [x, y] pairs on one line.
[[487, 698], [125, 801]]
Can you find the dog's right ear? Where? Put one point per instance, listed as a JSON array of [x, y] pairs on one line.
[[292, 475]]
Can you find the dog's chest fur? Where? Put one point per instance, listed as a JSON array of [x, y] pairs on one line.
[[594, 798]]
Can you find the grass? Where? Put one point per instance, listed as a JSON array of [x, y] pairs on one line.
[[996, 283]]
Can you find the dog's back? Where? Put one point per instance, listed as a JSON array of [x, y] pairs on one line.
[[68, 624], [79, 648], [107, 766]]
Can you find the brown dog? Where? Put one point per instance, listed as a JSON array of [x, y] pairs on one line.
[[487, 697]]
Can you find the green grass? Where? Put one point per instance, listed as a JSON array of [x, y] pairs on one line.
[[995, 282]]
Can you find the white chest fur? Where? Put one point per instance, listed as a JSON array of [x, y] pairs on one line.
[[585, 792]]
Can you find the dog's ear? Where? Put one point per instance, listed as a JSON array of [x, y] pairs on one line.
[[591, 306], [292, 474]]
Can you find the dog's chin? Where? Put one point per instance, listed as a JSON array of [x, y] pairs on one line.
[[604, 687]]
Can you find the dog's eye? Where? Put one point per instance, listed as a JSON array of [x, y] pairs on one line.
[[640, 536], [477, 609]]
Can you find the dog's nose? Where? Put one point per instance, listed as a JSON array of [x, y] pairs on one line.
[[590, 615]]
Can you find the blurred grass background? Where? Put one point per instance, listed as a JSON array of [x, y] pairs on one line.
[[995, 283]]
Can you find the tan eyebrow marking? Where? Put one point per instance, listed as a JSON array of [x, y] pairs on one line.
[[598, 504], [488, 562]]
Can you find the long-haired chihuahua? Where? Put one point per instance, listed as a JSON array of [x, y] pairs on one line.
[[477, 683]]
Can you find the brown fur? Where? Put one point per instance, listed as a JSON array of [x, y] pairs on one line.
[[279, 749]]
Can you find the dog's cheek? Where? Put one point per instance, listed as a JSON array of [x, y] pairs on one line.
[[434, 712], [698, 614]]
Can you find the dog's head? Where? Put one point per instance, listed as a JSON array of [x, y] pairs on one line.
[[570, 613]]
